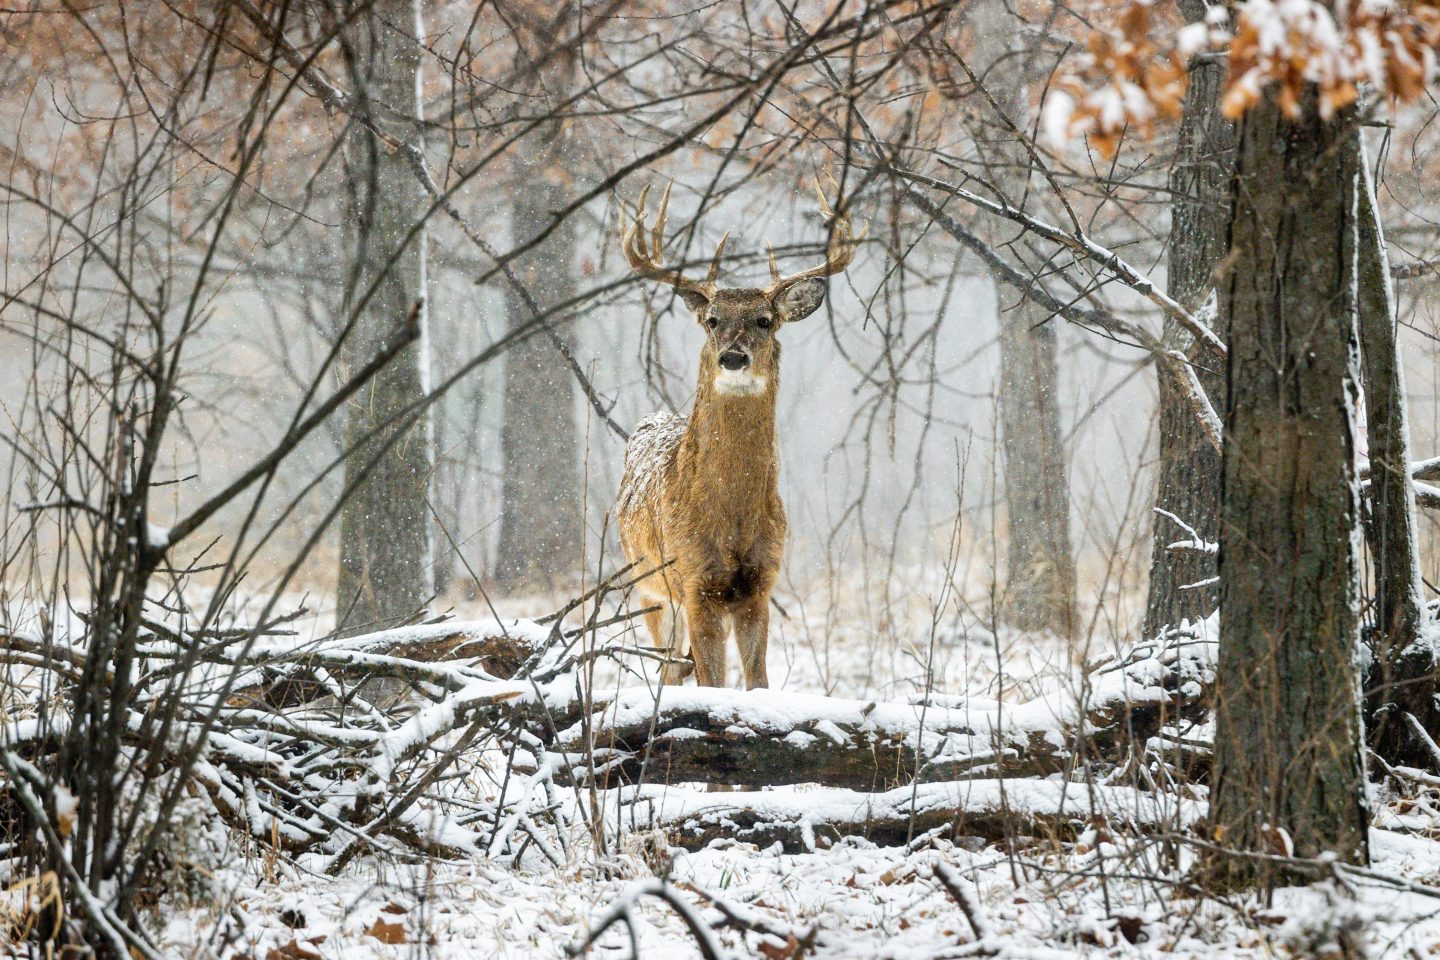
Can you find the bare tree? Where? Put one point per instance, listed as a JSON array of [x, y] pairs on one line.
[[1402, 681], [1183, 584], [541, 515], [386, 568], [1040, 589]]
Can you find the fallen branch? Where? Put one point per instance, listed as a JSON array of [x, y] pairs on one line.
[[496, 649], [811, 820], [622, 911], [966, 897]]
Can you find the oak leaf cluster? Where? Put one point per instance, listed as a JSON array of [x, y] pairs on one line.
[[1133, 74]]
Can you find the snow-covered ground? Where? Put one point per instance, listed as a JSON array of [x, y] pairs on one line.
[[1036, 899], [1103, 895]]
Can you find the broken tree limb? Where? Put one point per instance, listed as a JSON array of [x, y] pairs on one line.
[[809, 820], [769, 738], [498, 649]]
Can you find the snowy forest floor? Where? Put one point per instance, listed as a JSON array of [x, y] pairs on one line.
[[1099, 895]]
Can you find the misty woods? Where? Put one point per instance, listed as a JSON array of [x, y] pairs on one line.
[[384, 484]]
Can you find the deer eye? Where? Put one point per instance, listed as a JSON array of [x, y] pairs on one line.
[[764, 321], [713, 323]]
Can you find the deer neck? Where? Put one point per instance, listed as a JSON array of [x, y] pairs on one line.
[[733, 437]]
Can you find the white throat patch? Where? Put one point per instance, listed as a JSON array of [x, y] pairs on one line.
[[739, 383]]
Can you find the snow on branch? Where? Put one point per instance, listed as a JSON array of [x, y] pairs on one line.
[[1133, 75], [764, 737], [282, 737], [993, 808], [1196, 543]]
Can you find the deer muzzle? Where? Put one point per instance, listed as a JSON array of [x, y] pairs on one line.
[[734, 360], [737, 375]]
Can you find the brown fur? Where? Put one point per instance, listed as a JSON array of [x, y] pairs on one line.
[[714, 508]]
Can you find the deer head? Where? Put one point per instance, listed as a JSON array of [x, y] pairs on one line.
[[740, 322]]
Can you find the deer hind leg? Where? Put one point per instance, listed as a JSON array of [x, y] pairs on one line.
[[706, 616], [667, 633], [752, 636]]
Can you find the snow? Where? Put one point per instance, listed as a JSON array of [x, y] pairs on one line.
[[527, 632], [859, 900], [651, 449], [1035, 896], [1192, 38], [157, 537], [1048, 798]]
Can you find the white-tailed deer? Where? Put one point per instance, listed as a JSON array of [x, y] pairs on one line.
[[701, 493]]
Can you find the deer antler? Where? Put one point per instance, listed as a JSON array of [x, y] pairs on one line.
[[644, 255], [838, 253]]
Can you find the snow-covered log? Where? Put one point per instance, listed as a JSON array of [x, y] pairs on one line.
[[291, 678], [770, 737], [813, 819]]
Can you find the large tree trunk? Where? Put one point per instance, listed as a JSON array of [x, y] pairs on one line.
[[1182, 583], [1040, 588], [1288, 761], [385, 536], [541, 520], [1402, 680]]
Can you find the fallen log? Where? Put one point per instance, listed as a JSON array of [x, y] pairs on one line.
[[773, 738], [803, 821], [498, 649]]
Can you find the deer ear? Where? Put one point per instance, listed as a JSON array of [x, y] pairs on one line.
[[801, 300], [695, 301]]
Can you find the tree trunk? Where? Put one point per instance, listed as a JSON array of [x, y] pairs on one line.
[[1040, 590], [1188, 485], [541, 519], [385, 535], [1403, 675], [1041, 572], [1288, 763]]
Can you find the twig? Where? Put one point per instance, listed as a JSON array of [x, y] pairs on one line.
[[965, 897], [1417, 728], [661, 889]]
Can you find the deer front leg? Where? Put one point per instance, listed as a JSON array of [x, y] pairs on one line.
[[752, 636], [706, 618]]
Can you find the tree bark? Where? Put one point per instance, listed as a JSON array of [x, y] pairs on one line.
[[385, 534], [1402, 678], [1040, 590], [541, 520], [1188, 481], [1288, 763], [1040, 568]]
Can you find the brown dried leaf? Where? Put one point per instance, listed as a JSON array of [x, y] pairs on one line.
[[293, 950], [387, 932], [787, 951]]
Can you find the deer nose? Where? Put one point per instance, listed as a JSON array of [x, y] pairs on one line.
[[734, 360]]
